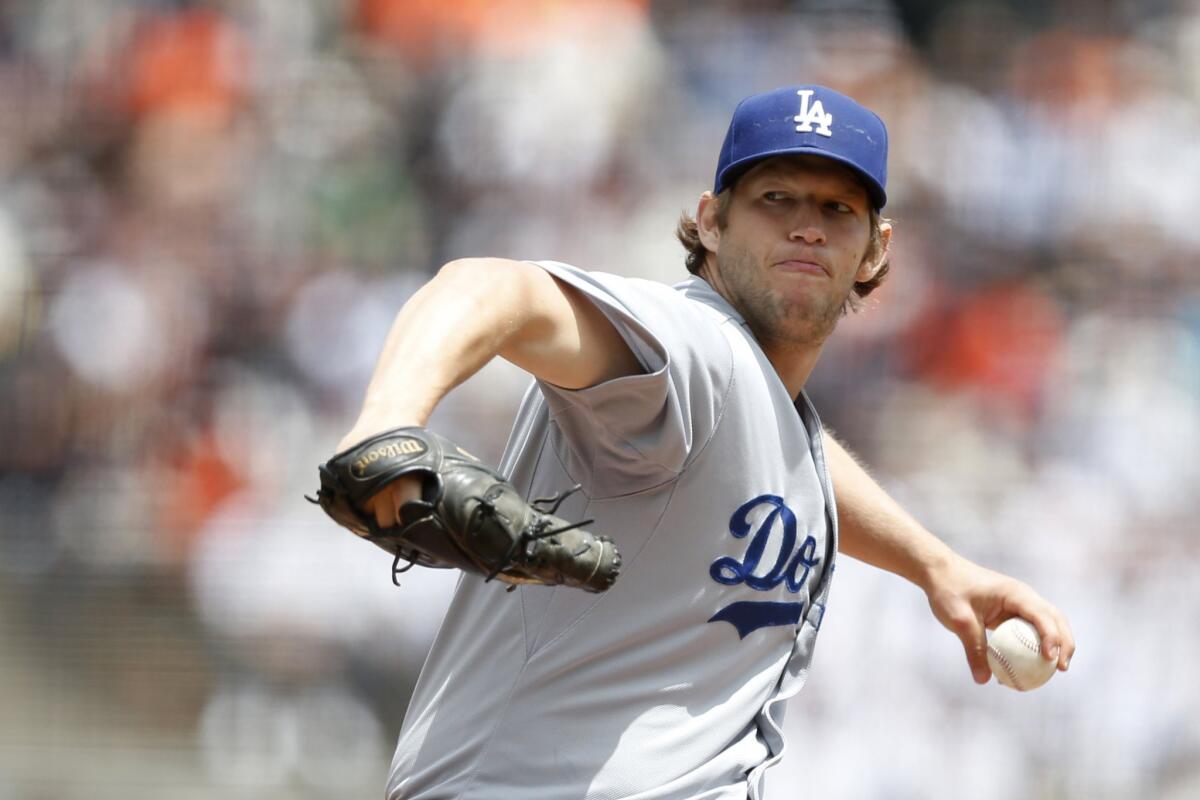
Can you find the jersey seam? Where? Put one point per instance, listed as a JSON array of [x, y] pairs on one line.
[[496, 726]]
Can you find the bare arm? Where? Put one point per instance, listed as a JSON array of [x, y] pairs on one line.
[[472, 311], [965, 597]]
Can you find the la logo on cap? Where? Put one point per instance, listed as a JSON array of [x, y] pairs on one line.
[[813, 114]]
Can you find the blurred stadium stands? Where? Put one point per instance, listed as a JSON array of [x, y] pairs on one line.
[[210, 212]]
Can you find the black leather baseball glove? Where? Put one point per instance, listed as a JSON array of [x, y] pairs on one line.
[[469, 517]]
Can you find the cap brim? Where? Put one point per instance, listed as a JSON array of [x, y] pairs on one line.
[[731, 173]]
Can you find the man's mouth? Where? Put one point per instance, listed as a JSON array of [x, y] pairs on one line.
[[802, 266]]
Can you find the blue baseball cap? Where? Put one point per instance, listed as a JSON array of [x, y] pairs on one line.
[[806, 119]]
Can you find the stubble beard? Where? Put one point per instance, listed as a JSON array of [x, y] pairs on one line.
[[804, 320]]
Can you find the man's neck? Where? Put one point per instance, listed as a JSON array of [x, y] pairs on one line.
[[792, 363]]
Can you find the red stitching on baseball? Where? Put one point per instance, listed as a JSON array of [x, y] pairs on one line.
[[1007, 667], [1021, 633]]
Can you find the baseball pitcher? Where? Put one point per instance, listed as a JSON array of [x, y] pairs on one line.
[[646, 572]]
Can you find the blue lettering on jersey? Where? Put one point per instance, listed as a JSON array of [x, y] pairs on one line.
[[792, 566], [750, 615]]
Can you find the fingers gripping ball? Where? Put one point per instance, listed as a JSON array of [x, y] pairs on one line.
[[469, 517], [1015, 655]]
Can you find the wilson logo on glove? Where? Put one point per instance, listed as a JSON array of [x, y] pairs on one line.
[[391, 451]]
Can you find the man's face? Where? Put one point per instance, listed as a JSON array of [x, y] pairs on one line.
[[797, 231]]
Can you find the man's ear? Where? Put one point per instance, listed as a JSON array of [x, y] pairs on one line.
[[870, 266], [706, 221]]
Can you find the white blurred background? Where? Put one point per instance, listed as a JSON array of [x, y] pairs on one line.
[[210, 212]]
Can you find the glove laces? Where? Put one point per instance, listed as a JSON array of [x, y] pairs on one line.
[[540, 526]]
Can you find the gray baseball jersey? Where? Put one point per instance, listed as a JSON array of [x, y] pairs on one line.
[[671, 684]]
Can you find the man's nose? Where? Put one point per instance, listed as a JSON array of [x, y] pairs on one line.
[[806, 226]]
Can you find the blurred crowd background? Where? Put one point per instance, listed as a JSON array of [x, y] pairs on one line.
[[211, 211]]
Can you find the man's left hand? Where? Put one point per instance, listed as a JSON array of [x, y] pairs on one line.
[[969, 600]]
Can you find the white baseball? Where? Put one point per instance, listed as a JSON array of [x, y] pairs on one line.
[[1015, 655]]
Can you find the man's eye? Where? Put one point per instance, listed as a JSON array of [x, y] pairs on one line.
[[839, 207], [774, 197]]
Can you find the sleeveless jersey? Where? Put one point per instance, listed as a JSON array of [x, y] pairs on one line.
[[712, 483]]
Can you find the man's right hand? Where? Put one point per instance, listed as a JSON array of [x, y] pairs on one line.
[[385, 504]]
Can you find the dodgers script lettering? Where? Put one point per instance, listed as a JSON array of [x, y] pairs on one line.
[[792, 564], [791, 567]]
